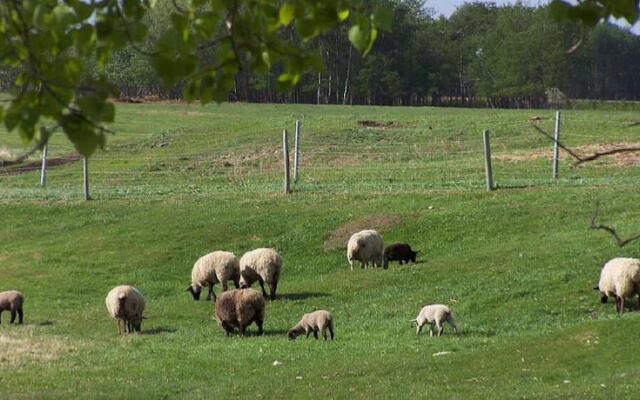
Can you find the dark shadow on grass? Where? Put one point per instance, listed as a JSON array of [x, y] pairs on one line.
[[159, 330], [44, 323], [300, 296], [253, 332]]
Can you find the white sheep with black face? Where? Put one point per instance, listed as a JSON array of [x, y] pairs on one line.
[[217, 267], [620, 279]]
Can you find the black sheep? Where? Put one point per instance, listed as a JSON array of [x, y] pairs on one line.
[[398, 252]]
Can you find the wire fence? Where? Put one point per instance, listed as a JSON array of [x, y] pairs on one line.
[[377, 159]]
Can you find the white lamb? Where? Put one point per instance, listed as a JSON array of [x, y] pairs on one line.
[[219, 266], [125, 303], [435, 314], [620, 278], [365, 246], [262, 265]]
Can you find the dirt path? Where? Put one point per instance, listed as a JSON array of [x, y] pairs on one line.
[[36, 165]]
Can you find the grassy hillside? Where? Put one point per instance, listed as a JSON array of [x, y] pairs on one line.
[[516, 266]]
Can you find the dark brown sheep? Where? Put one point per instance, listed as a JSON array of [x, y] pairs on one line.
[[239, 308], [398, 252]]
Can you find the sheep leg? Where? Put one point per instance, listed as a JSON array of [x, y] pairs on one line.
[[452, 322], [225, 286], [308, 332], [236, 282], [118, 327], [331, 331], [440, 328], [315, 333], [264, 292], [418, 328], [210, 292], [259, 323], [0, 316], [20, 315], [13, 316], [243, 329], [272, 288], [621, 305], [351, 264]]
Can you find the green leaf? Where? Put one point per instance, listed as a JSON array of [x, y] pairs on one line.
[[343, 15], [287, 13], [358, 38]]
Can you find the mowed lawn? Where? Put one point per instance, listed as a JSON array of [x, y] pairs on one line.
[[516, 266]]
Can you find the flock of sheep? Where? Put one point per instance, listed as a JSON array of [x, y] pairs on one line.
[[238, 308]]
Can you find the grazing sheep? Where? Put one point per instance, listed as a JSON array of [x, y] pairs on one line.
[[365, 246], [434, 314], [320, 320], [398, 252], [219, 266], [239, 308], [12, 301], [125, 303], [262, 265], [620, 278]]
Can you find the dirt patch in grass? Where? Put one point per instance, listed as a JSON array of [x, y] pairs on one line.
[[22, 346], [36, 165], [627, 159], [340, 236], [367, 123]]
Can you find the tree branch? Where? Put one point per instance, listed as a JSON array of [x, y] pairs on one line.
[[580, 159], [594, 225]]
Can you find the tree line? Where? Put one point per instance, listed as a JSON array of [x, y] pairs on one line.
[[483, 55]]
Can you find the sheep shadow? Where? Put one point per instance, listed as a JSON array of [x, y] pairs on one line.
[[159, 330], [300, 296], [44, 323]]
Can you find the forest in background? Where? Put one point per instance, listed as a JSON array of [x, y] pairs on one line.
[[483, 55]]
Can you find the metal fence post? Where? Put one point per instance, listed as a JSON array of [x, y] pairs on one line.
[[296, 155], [43, 171], [285, 154], [487, 160], [85, 175], [556, 151]]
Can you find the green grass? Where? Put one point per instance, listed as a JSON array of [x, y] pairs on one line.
[[516, 266]]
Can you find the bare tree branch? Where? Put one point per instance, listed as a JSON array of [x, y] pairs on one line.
[[594, 225], [580, 159]]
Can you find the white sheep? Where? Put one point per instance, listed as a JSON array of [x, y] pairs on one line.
[[365, 246], [435, 314], [125, 303], [262, 265], [619, 278], [12, 301], [317, 321], [219, 266]]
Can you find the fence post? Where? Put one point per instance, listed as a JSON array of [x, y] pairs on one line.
[[285, 153], [43, 171], [487, 159], [296, 155], [556, 151], [85, 175]]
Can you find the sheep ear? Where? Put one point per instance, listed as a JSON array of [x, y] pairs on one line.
[[188, 289]]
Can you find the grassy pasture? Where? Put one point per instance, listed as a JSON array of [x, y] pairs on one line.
[[516, 265]]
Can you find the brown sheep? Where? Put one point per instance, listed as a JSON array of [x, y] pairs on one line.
[[12, 301], [239, 308]]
